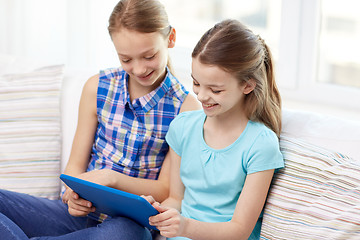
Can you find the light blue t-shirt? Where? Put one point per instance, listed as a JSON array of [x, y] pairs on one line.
[[214, 178]]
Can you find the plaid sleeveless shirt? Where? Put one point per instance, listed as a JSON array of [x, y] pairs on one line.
[[130, 136]]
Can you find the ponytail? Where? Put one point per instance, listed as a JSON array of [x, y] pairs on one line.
[[271, 114]]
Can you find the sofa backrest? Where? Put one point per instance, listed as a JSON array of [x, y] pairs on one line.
[[316, 195]]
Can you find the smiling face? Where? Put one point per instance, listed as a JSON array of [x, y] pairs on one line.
[[218, 91], [143, 56]]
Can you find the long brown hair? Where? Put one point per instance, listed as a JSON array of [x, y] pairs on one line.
[[145, 16], [234, 48]]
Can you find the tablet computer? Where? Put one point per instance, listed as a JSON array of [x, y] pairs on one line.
[[111, 201]]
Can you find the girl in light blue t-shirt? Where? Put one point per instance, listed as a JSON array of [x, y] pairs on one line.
[[224, 156]]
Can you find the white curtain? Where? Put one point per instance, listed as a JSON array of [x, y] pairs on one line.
[[73, 32]]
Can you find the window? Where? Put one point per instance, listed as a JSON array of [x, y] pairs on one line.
[[339, 48], [314, 43], [308, 63]]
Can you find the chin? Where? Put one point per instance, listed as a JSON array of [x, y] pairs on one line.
[[210, 113]]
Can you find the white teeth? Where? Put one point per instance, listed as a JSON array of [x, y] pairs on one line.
[[208, 105]]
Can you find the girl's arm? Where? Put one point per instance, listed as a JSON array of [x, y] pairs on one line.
[[169, 218], [85, 130], [247, 211], [81, 147], [176, 186]]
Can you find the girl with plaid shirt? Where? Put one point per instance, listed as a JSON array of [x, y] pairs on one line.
[[124, 115]]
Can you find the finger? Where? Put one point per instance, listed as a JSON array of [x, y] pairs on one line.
[[65, 198], [66, 195], [82, 202], [79, 210], [168, 232], [170, 227], [75, 198], [149, 198], [81, 207], [74, 195], [77, 213], [159, 207], [169, 219], [160, 218], [163, 226]]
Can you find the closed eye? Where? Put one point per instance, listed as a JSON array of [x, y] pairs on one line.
[[216, 91], [151, 57], [125, 60]]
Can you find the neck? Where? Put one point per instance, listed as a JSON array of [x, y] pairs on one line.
[[222, 131], [137, 90], [227, 122], [230, 118]]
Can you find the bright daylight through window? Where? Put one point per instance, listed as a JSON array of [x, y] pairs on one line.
[[315, 43], [339, 43]]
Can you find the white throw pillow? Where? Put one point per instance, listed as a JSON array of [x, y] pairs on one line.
[[316, 195], [30, 131], [340, 135]]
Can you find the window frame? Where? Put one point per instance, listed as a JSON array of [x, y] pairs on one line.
[[298, 59]]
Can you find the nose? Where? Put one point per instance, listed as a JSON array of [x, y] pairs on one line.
[[201, 95], [139, 68]]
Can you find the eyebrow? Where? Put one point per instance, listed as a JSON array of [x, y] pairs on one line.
[[211, 85], [143, 53]]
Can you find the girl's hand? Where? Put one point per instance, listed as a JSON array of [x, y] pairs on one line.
[[77, 206], [169, 221]]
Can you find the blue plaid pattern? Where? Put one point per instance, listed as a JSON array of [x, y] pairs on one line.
[[130, 136]]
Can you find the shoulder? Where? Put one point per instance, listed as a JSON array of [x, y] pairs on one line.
[[262, 135], [89, 95], [110, 73], [264, 151], [111, 76], [188, 118], [175, 88], [110, 80], [190, 103], [178, 91], [183, 126], [91, 85], [263, 141]]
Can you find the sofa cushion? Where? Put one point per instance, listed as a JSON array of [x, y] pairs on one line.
[[30, 136], [316, 195], [329, 132]]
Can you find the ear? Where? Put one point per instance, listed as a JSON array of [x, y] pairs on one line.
[[172, 38], [249, 86]]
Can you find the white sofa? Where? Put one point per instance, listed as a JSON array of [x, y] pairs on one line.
[[324, 140], [314, 146], [316, 195]]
